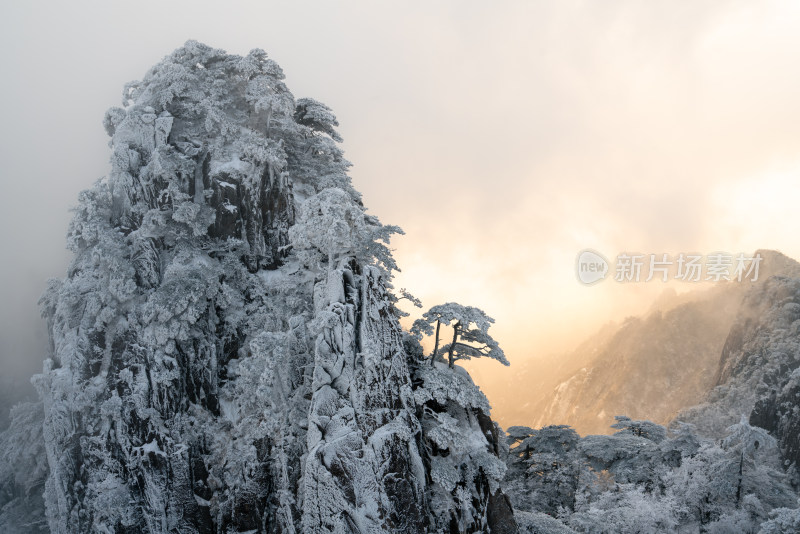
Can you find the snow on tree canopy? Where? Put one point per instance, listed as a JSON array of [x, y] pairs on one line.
[[225, 349], [470, 333]]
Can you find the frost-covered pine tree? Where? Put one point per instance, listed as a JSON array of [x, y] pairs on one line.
[[543, 468], [470, 327]]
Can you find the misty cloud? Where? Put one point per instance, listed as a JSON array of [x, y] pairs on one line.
[[503, 138]]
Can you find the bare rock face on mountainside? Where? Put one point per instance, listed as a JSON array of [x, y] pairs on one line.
[[225, 348]]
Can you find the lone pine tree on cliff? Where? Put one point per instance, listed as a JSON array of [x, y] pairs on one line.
[[470, 333]]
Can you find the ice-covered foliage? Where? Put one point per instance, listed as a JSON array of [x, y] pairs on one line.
[[470, 327], [629, 509], [645, 479], [643, 429], [332, 225], [205, 375], [543, 468], [23, 470], [540, 523], [782, 521], [317, 116]]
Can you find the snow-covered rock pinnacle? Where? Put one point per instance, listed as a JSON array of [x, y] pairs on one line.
[[225, 348]]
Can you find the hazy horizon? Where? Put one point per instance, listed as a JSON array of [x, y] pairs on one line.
[[503, 138]]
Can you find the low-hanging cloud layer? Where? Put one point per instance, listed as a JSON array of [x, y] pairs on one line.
[[503, 137]]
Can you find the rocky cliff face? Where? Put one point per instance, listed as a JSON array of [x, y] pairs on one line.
[[462, 449], [363, 471], [226, 354]]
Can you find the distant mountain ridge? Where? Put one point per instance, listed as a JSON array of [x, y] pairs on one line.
[[648, 367]]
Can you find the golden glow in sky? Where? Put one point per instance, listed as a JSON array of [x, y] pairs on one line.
[[504, 137]]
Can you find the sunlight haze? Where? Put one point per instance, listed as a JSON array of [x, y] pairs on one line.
[[503, 137]]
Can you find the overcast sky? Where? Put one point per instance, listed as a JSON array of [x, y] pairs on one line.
[[504, 137]]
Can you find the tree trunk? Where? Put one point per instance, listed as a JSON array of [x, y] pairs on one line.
[[436, 345], [453, 345]]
